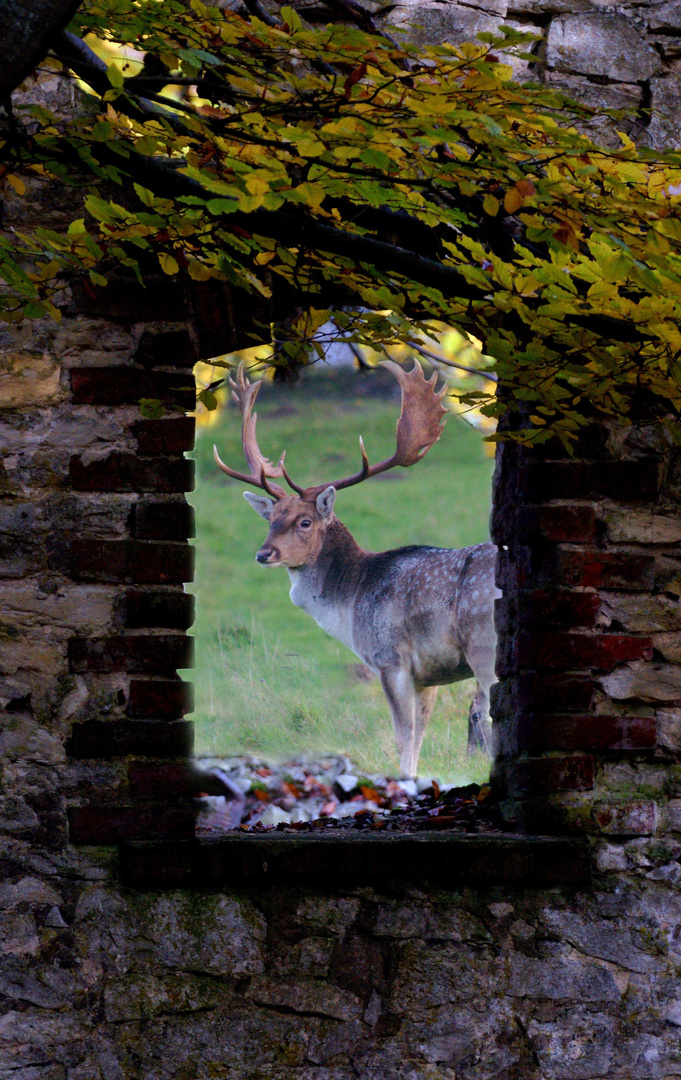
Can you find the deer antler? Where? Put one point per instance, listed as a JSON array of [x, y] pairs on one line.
[[261, 470], [418, 428]]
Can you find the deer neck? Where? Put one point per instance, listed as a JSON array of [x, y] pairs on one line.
[[326, 588]]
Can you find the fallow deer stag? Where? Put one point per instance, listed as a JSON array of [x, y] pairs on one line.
[[418, 617]]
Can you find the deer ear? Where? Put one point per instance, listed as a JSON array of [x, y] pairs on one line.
[[260, 504], [325, 502]]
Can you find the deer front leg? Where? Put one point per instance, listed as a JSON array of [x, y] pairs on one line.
[[398, 687]]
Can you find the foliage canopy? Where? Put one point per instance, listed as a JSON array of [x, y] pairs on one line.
[[399, 185]]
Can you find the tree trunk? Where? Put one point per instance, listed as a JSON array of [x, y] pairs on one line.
[[27, 29]]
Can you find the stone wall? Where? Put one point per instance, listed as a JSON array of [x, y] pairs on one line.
[[624, 56], [455, 962]]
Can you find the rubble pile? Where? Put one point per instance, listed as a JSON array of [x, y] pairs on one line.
[[330, 793]]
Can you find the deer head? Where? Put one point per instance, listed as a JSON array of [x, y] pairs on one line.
[[298, 522]]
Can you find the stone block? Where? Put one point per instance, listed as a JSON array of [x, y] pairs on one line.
[[133, 562], [171, 435], [604, 44], [646, 680], [561, 980], [27, 380], [167, 608], [127, 472], [143, 654], [128, 386], [177, 932], [642, 613], [306, 996], [665, 120], [431, 975], [626, 817], [106, 739], [669, 729], [143, 996], [22, 738], [162, 519], [437, 24], [167, 699], [18, 936], [641, 527], [669, 645]]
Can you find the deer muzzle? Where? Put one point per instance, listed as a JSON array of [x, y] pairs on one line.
[[266, 554]]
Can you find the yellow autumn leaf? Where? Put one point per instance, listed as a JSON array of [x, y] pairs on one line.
[[168, 263], [490, 205], [17, 183], [264, 257]]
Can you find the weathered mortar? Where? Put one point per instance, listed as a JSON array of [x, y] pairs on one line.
[[326, 981]]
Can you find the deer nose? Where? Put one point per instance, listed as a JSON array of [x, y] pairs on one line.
[[263, 555]]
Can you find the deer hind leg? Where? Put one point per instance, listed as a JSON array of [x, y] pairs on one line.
[[398, 687], [425, 702], [480, 735], [479, 723]]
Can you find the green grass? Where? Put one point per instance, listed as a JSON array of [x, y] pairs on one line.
[[268, 680]]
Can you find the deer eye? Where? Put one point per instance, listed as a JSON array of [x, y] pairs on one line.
[[305, 523]]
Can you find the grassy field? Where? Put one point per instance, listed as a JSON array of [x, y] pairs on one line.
[[268, 680]]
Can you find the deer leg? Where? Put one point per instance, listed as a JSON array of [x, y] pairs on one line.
[[425, 702], [398, 687], [479, 723]]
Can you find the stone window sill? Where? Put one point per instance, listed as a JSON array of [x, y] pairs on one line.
[[360, 859]]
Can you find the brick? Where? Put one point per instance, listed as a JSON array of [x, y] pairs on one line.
[[625, 481], [127, 386], [157, 654], [559, 607], [172, 435], [126, 301], [161, 779], [127, 472], [162, 519], [543, 692], [167, 348], [112, 824], [586, 732], [626, 818], [106, 739], [168, 608], [572, 524], [567, 651], [568, 567], [167, 699], [555, 774], [134, 562]]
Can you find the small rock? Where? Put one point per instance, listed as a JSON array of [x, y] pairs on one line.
[[274, 815], [500, 910], [671, 873], [410, 788], [344, 784], [55, 918]]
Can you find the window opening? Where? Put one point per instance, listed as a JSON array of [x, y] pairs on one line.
[[294, 724]]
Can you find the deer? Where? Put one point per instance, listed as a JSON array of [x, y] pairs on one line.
[[418, 617]]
